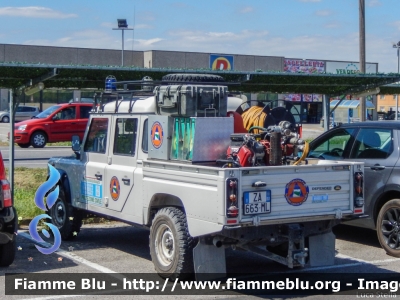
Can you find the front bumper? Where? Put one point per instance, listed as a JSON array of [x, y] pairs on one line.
[[21, 137]]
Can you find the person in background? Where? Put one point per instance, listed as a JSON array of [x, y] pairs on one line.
[[68, 114]]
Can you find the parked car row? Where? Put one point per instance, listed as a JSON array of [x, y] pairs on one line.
[[376, 143], [22, 112]]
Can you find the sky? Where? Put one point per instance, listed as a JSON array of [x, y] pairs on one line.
[[305, 29]]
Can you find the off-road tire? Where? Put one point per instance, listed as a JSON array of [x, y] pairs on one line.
[[169, 230], [5, 119], [38, 139], [7, 253], [24, 145], [388, 227], [193, 78], [67, 219]]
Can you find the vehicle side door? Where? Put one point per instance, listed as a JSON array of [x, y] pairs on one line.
[[82, 119], [63, 125], [93, 184], [376, 148], [121, 168], [393, 181], [333, 145], [20, 114]]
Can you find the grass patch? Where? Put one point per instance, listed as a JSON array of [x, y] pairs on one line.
[[26, 182], [59, 144], [309, 140]]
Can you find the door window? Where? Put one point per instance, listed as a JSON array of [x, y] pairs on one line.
[[334, 146], [97, 136], [84, 110], [373, 143], [66, 114], [125, 136]]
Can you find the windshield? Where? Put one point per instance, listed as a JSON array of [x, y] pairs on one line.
[[44, 114]]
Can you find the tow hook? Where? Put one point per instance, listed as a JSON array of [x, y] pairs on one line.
[[300, 256]]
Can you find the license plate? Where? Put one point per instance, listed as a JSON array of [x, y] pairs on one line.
[[257, 202]]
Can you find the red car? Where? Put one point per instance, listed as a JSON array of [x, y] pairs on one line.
[[8, 221], [58, 123]]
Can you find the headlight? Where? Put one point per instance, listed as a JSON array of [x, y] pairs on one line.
[[22, 127]]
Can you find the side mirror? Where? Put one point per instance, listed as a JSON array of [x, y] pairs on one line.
[[55, 118], [76, 143]]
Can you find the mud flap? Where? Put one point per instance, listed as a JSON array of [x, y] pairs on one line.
[[322, 249], [209, 261]]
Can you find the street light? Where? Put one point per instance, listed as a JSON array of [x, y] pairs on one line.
[[122, 25], [397, 46]]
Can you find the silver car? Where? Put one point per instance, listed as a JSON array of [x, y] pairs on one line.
[[22, 113], [376, 143]]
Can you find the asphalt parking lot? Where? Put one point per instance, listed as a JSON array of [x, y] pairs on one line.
[[114, 248]]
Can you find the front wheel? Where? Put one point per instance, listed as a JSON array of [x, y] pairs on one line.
[[7, 253], [171, 246], [38, 139], [388, 227], [5, 119], [65, 217]]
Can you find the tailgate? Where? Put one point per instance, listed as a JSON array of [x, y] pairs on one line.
[[287, 192]]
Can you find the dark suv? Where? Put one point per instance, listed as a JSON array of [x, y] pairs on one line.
[[8, 221], [376, 143]]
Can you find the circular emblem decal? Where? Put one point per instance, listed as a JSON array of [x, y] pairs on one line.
[[221, 63], [114, 188], [296, 192], [157, 135]]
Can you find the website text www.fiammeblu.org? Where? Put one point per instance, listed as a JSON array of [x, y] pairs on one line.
[[142, 284]]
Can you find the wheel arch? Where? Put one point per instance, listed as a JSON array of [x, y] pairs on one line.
[[161, 200], [64, 184], [383, 198]]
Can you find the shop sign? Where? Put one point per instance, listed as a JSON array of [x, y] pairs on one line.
[[303, 66]]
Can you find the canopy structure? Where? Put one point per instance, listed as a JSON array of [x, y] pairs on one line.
[[390, 89], [17, 75], [351, 104]]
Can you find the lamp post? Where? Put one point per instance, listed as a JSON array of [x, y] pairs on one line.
[[397, 46], [361, 6], [122, 25]]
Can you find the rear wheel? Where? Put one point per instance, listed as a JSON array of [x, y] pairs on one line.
[[388, 227], [38, 139], [7, 253], [67, 219], [5, 119], [171, 246], [24, 145]]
